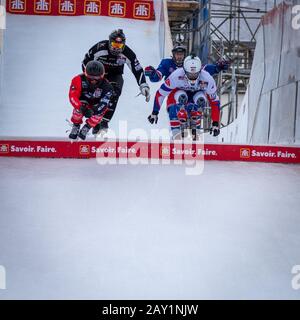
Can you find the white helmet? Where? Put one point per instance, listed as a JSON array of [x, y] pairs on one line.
[[192, 67]]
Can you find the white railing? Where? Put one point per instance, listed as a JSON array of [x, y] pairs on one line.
[[165, 38]]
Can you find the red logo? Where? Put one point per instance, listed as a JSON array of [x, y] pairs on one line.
[[117, 9], [17, 6], [245, 153], [4, 148], [67, 7], [42, 6], [168, 82], [141, 10], [84, 149], [165, 151], [92, 8]]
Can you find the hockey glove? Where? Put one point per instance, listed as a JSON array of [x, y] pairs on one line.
[[104, 103], [99, 108], [223, 65], [87, 112], [145, 91], [215, 129], [150, 71], [153, 118]]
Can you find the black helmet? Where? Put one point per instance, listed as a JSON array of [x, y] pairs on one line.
[[179, 48], [117, 41], [94, 70]]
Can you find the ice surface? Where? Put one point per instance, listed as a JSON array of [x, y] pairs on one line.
[[76, 229]]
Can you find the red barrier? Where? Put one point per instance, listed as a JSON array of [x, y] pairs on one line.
[[132, 9], [130, 149]]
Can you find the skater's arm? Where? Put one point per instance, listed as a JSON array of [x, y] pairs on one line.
[[211, 69], [97, 50], [162, 70], [221, 65], [214, 100], [155, 75], [89, 56], [161, 93], [106, 98], [75, 92], [134, 65]]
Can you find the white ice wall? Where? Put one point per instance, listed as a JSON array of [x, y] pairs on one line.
[[297, 132], [273, 103], [273, 114], [2, 28], [236, 132]]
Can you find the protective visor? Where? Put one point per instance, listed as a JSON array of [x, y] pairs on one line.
[[192, 75], [93, 78], [117, 45]]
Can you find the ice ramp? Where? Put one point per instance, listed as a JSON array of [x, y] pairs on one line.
[[270, 112], [240, 243], [42, 53]]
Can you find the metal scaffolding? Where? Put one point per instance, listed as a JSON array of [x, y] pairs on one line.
[[216, 29]]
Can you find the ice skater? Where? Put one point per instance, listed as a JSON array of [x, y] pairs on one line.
[[189, 88], [114, 54], [91, 95]]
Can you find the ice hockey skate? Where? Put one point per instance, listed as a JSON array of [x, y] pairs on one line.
[[100, 129], [74, 132], [84, 132]]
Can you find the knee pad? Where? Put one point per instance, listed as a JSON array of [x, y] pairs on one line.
[[201, 102], [200, 99], [181, 97]]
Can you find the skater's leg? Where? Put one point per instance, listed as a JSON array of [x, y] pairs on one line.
[[77, 121], [175, 124], [117, 82], [76, 117], [91, 122], [195, 116]]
